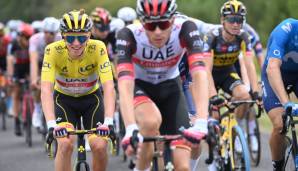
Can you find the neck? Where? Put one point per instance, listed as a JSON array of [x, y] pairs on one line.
[[227, 36]]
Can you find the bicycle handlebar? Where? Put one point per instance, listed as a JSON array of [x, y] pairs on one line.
[[286, 120]]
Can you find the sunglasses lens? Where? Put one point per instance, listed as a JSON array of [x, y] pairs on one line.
[[238, 20], [163, 25], [82, 39], [70, 39]]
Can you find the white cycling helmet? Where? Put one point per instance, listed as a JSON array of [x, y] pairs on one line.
[[37, 25], [116, 24], [13, 25], [127, 14], [51, 24]]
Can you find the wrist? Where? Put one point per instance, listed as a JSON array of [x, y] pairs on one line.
[[130, 128], [108, 121], [51, 124]]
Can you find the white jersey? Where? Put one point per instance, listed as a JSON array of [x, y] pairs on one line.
[[37, 44], [154, 64]]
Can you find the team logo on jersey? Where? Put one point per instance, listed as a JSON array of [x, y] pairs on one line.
[[194, 33], [46, 66], [151, 54], [86, 69], [105, 67], [102, 52], [91, 48], [121, 42], [235, 75], [287, 27], [59, 48], [47, 51]]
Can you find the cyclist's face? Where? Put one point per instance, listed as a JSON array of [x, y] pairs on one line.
[[100, 31], [49, 36], [23, 40], [232, 23], [76, 43], [158, 33]]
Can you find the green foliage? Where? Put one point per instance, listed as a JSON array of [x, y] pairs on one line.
[[263, 15]]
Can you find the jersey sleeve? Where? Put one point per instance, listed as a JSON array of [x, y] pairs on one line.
[[246, 46], [33, 43], [105, 67], [191, 39], [126, 46], [278, 39], [48, 65]]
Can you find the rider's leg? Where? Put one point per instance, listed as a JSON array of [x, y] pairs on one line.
[[16, 108], [240, 92], [182, 163], [64, 152], [148, 118], [99, 153], [277, 140]]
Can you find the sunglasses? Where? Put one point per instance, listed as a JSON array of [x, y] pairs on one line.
[[163, 25], [234, 19], [102, 27], [70, 39]]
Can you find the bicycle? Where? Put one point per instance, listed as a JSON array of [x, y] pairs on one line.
[[81, 163], [252, 114], [255, 155], [27, 108], [291, 150], [227, 132], [166, 154]]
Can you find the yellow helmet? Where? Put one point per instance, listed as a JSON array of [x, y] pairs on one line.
[[75, 21], [233, 7]]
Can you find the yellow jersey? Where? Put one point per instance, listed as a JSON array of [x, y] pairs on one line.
[[76, 77]]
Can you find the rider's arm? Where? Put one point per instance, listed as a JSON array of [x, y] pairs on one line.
[[258, 48], [10, 61], [190, 37], [243, 70], [249, 61], [209, 53], [125, 71], [33, 61], [47, 86], [275, 79], [106, 78]]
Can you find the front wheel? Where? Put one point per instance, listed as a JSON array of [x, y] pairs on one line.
[[253, 137], [82, 166], [239, 158]]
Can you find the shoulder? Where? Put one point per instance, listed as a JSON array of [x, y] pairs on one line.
[[55, 48], [95, 47]]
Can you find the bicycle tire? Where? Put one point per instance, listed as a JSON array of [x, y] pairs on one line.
[[244, 154], [255, 156], [3, 113], [82, 166], [28, 122], [290, 156]]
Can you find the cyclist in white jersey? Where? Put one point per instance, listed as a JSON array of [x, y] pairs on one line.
[[37, 44], [151, 97]]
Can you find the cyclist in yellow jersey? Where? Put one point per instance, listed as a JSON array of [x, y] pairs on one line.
[[71, 71]]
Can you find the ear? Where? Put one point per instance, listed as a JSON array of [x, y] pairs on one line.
[[221, 20]]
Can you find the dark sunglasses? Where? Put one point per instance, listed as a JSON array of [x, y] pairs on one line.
[[163, 25], [70, 39], [102, 27], [234, 19]]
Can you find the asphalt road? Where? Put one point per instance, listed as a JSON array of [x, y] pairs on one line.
[[16, 156]]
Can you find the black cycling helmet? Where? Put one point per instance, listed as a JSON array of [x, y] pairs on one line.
[[233, 7], [154, 10]]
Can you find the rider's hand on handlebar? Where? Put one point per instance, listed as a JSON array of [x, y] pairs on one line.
[[256, 96], [60, 132], [294, 107], [197, 132], [126, 141], [104, 129]]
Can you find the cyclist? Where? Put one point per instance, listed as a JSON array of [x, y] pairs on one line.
[[127, 14], [37, 44], [71, 71], [151, 98], [225, 45], [4, 41], [18, 67], [37, 26], [279, 71]]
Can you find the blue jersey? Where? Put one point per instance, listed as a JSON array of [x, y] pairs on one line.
[[283, 44]]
